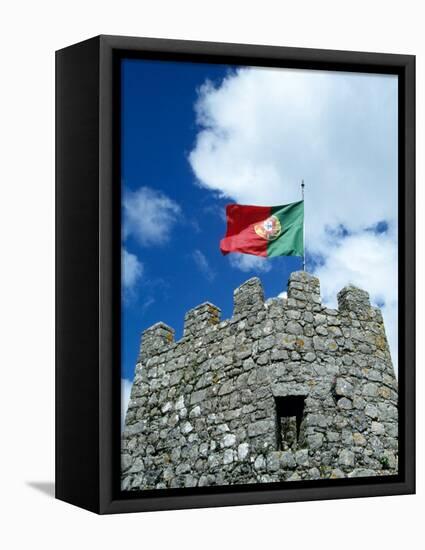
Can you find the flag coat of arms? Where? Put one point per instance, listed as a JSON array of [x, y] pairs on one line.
[[265, 230]]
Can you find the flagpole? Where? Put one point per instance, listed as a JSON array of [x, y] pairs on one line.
[[302, 195]]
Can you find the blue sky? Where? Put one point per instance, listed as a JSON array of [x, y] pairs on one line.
[[196, 137], [185, 267]]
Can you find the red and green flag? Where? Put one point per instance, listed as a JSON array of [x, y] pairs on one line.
[[265, 230]]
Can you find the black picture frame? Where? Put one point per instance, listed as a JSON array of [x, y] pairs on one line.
[[88, 273]]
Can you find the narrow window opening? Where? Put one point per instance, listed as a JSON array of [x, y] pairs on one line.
[[289, 415]]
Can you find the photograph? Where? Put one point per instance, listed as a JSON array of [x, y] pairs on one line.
[[259, 291], [212, 253]]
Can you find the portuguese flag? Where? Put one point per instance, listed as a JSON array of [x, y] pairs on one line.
[[265, 230]]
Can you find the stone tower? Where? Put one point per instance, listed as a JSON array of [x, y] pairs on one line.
[[285, 390]]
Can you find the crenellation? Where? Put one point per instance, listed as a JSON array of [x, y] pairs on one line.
[[155, 339], [286, 389], [248, 298], [304, 290], [200, 319], [353, 299]]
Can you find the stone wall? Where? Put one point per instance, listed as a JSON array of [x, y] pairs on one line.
[[286, 389]]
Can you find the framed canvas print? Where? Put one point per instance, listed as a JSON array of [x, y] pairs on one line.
[[235, 274]]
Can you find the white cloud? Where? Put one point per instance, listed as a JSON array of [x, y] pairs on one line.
[[125, 398], [203, 265], [368, 261], [131, 269], [263, 130], [249, 263], [149, 216]]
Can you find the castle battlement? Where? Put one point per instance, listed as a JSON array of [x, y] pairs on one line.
[[285, 389]]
